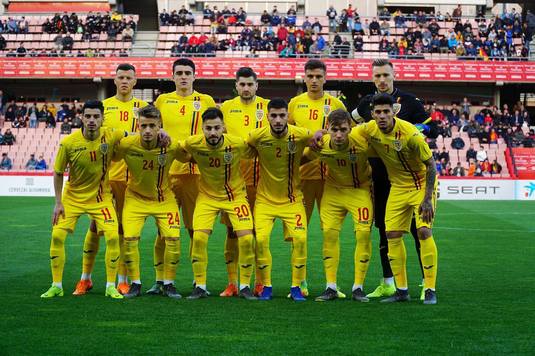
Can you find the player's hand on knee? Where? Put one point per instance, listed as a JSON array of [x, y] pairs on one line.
[[59, 210], [426, 211]]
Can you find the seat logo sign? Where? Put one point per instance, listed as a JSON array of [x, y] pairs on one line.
[[529, 190]]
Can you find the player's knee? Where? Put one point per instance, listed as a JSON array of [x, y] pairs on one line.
[[242, 233], [394, 234], [58, 238], [131, 242], [424, 233]]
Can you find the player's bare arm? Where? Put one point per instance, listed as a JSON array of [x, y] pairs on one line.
[[426, 208]]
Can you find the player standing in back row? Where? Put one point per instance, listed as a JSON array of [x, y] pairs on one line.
[[119, 113], [310, 110], [181, 117]]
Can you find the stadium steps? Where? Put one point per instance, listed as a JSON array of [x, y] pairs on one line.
[[145, 45]]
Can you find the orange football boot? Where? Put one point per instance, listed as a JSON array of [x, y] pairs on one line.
[[230, 291], [83, 286]]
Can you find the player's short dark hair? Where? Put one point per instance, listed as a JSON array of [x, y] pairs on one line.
[[382, 99], [277, 103], [184, 62], [211, 114], [339, 117], [125, 66], [93, 104], [380, 62], [312, 64], [150, 112], [245, 72]]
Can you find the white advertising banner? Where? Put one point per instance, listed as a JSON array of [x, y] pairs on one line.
[[525, 189], [476, 189], [27, 186]]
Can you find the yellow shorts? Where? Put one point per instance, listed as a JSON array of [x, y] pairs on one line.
[[137, 210], [251, 198], [102, 213], [118, 188], [186, 189], [293, 217], [337, 202], [207, 209], [402, 204]]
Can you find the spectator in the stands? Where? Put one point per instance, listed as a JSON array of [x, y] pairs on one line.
[[66, 127], [19, 123], [331, 14], [399, 19], [41, 164], [445, 155], [21, 50], [481, 155], [6, 164], [374, 27], [9, 138], [458, 171], [31, 163], [384, 14], [265, 18], [67, 42], [3, 43], [471, 153], [457, 13], [128, 34], [164, 18], [358, 43], [1, 135]]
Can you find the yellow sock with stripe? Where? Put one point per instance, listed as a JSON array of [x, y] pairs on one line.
[[131, 257], [231, 257], [113, 253], [429, 257], [299, 260], [121, 267], [159, 252], [171, 258], [199, 257], [264, 260], [91, 244], [331, 255], [57, 255], [246, 259], [397, 255], [363, 253]]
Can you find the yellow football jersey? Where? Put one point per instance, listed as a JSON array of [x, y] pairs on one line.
[[148, 169], [312, 114], [181, 118], [220, 167], [349, 167], [240, 119], [279, 158], [403, 152], [88, 163], [121, 116]]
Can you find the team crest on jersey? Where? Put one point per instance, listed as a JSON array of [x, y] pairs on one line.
[[162, 158], [352, 157], [103, 148], [135, 112], [397, 145], [227, 157], [292, 147], [326, 109], [197, 105], [259, 115]]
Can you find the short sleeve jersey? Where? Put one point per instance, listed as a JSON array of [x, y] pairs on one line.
[[88, 163], [403, 152], [149, 168], [312, 115], [181, 118], [280, 158], [349, 167], [122, 116], [221, 178]]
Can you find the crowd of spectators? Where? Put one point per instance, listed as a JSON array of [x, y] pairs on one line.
[[64, 51], [492, 39], [477, 163], [23, 114]]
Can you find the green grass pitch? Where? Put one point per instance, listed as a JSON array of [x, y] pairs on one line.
[[485, 292]]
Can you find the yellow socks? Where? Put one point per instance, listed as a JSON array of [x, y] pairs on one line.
[[159, 252], [131, 256], [247, 259], [299, 259], [264, 261], [171, 258], [429, 258], [397, 255], [231, 257], [112, 255], [331, 254], [199, 257], [363, 253], [91, 243], [57, 254]]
